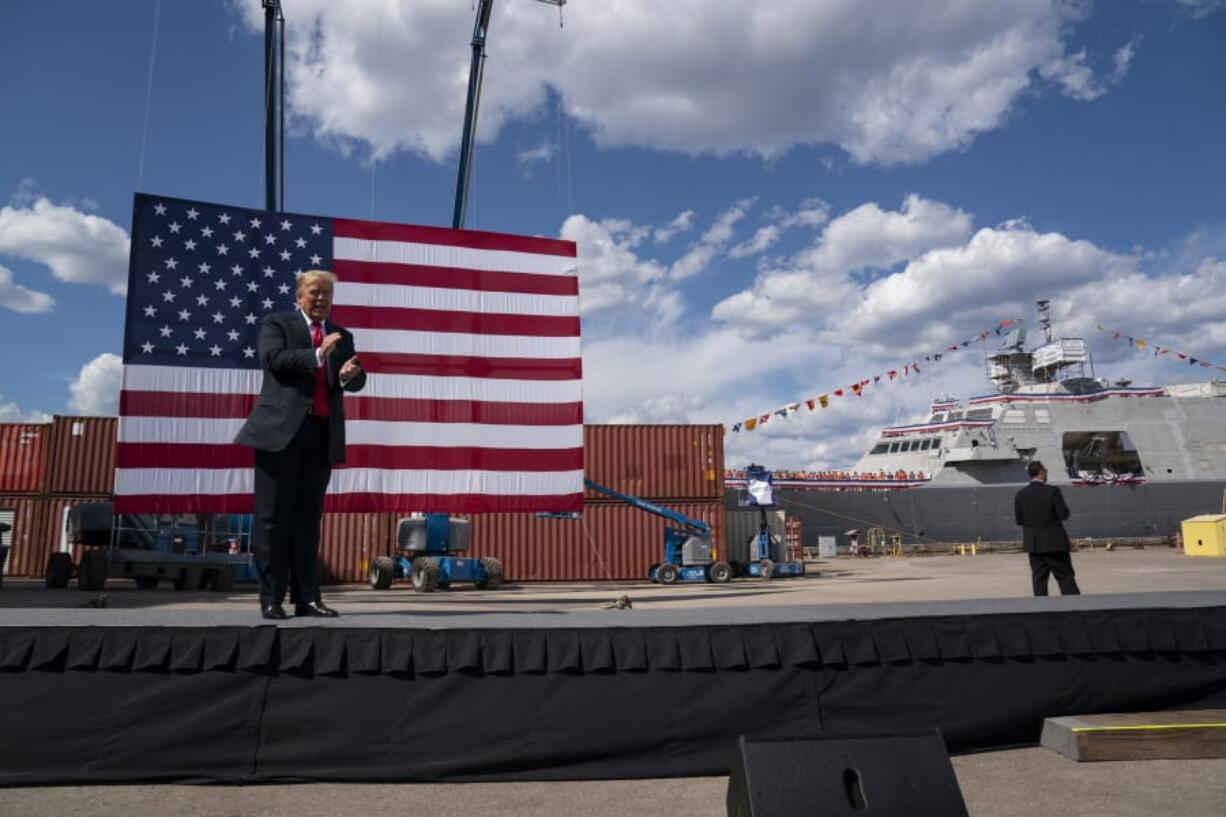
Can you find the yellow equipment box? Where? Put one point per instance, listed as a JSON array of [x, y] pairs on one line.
[[1205, 535]]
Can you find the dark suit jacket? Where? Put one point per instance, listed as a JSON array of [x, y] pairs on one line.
[[289, 385], [1040, 510]]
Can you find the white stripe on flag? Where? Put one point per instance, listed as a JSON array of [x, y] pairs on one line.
[[442, 255], [194, 430], [425, 387], [457, 343], [173, 481], [455, 300]]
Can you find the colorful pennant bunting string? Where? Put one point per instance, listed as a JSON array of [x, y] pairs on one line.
[[1160, 349], [908, 369]]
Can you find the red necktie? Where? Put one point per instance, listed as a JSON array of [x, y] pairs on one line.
[[319, 406]]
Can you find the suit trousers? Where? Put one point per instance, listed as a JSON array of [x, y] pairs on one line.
[[289, 500], [1058, 564]]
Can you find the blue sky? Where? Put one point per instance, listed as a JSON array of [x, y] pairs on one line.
[[771, 201]]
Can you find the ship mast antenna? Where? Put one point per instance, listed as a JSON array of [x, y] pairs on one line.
[[476, 73], [1045, 318]]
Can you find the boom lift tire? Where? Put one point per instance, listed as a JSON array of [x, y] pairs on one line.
[[93, 569], [59, 569], [382, 572], [721, 572], [767, 567], [425, 574], [667, 573], [493, 574]]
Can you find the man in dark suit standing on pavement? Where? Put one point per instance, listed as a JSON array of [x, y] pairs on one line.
[[297, 429], [1040, 510]]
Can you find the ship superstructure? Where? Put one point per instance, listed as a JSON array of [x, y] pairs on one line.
[[1163, 447]]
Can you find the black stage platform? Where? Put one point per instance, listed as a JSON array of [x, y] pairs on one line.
[[99, 695]]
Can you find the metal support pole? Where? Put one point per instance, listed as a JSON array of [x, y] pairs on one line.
[[272, 9], [470, 112]]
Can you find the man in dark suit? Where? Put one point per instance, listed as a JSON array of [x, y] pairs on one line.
[[297, 429], [1040, 510]]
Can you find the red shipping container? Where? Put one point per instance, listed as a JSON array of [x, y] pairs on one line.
[[23, 457], [656, 461], [81, 459], [611, 541], [348, 541], [25, 540]]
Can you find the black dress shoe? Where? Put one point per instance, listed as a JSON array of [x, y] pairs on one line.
[[273, 611], [315, 608]]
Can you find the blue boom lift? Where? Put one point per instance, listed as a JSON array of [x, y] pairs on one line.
[[688, 555], [425, 548], [768, 558]]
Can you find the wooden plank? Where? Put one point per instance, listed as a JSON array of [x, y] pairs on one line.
[[1138, 735]]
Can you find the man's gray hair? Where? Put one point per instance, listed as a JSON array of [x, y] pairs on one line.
[[309, 277]]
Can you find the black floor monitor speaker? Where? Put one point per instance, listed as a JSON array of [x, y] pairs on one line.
[[845, 776]]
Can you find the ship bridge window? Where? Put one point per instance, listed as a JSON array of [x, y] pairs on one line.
[[926, 444], [937, 418], [1101, 456], [979, 414], [936, 442], [955, 415], [880, 448], [893, 448]]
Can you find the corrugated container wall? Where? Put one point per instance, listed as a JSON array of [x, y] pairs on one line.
[[82, 455], [38, 531], [611, 541], [348, 541], [23, 457], [655, 462], [25, 536]]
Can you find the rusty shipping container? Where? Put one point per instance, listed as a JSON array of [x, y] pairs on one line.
[[24, 514], [81, 456], [348, 541], [656, 461], [611, 541], [23, 457]]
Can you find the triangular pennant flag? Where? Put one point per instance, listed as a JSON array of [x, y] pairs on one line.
[[1140, 343], [838, 392], [736, 428], [751, 424], [794, 407], [824, 400], [1008, 322], [1192, 361], [877, 378], [763, 419], [783, 412], [856, 387], [811, 403], [916, 367], [1206, 364], [893, 374], [1181, 355]]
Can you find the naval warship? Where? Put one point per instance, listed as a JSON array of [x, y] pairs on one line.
[[1132, 461]]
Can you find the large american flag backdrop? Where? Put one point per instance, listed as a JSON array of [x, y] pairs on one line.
[[473, 400]]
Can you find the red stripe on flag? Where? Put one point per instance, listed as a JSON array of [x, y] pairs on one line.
[[472, 323], [418, 410], [391, 409], [372, 272], [183, 455], [498, 368], [355, 503], [405, 457], [472, 239], [184, 404]]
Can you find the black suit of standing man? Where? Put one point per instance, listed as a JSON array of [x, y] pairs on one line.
[[297, 429], [1040, 510]]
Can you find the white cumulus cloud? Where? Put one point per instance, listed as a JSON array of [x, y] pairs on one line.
[[95, 391], [20, 299], [889, 82], [77, 247]]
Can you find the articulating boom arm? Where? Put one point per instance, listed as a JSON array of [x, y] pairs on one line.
[[695, 526]]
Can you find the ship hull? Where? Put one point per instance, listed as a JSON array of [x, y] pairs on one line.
[[939, 515]]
